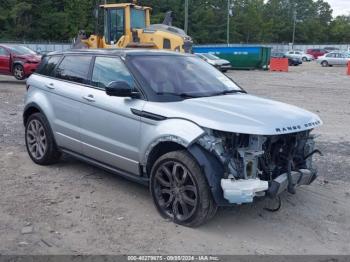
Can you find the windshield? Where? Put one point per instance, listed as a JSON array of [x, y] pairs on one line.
[[186, 76], [210, 56], [21, 50]]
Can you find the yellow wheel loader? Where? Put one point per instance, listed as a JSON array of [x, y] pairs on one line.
[[128, 25]]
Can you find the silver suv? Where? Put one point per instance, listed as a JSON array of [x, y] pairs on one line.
[[172, 122]]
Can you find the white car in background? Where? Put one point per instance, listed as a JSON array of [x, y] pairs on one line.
[[300, 55], [334, 58], [221, 64]]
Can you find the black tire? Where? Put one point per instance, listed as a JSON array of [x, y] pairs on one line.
[[304, 59], [18, 72], [324, 63], [50, 153], [224, 70], [204, 207]]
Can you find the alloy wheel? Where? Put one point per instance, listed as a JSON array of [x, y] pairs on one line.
[[18, 72], [175, 191], [36, 139]]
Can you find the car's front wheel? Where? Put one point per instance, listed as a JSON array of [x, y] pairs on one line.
[[39, 140], [18, 72], [324, 63], [180, 190]]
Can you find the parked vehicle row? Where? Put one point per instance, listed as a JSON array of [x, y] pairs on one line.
[[316, 52], [292, 61], [18, 61], [299, 55]]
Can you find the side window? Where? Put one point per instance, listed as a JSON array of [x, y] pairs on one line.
[[166, 43], [74, 68], [48, 64], [109, 69], [3, 52]]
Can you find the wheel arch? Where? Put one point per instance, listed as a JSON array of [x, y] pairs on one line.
[[16, 62], [30, 109], [165, 136], [160, 149]]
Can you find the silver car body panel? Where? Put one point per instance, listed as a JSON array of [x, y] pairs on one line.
[[239, 113], [60, 102], [110, 132], [180, 131]]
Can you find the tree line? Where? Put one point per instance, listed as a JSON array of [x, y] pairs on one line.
[[251, 21]]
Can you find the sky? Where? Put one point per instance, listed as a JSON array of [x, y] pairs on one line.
[[340, 7]]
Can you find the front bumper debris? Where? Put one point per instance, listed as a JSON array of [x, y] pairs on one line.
[[280, 183], [244, 190]]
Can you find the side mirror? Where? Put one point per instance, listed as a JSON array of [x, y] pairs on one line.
[[120, 88]]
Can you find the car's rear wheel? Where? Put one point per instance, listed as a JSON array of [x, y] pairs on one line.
[[18, 72], [180, 191], [304, 59], [40, 142], [324, 63]]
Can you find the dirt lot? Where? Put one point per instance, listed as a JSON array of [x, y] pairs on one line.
[[75, 208]]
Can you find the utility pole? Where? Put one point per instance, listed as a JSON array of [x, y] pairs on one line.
[[294, 25], [186, 16], [228, 22]]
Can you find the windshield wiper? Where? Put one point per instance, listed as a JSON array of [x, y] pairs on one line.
[[182, 95], [225, 92]]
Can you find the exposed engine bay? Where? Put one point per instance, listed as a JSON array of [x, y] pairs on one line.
[[258, 165]]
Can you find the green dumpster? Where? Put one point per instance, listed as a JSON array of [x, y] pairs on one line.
[[240, 57]]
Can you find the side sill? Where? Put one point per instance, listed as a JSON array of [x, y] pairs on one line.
[[141, 180]]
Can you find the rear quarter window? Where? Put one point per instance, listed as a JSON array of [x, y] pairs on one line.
[[74, 68], [48, 64]]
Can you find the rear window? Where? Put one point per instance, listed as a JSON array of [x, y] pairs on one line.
[[74, 68], [48, 64]]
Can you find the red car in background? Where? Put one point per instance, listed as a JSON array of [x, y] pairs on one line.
[[316, 52], [18, 61]]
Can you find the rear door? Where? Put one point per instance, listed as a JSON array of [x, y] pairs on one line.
[[110, 131], [342, 59], [4, 61], [66, 97]]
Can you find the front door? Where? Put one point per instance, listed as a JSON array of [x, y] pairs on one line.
[[4, 61], [110, 132]]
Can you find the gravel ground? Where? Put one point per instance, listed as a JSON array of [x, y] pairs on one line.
[[74, 208]]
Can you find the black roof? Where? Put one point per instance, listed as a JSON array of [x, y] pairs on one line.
[[116, 51]]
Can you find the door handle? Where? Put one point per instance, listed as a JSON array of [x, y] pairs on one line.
[[89, 98], [50, 86]]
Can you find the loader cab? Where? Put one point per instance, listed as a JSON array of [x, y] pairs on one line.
[[122, 19]]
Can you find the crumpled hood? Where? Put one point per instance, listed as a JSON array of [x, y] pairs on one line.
[[31, 57], [239, 113]]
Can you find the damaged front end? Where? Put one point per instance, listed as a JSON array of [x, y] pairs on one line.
[[259, 165]]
